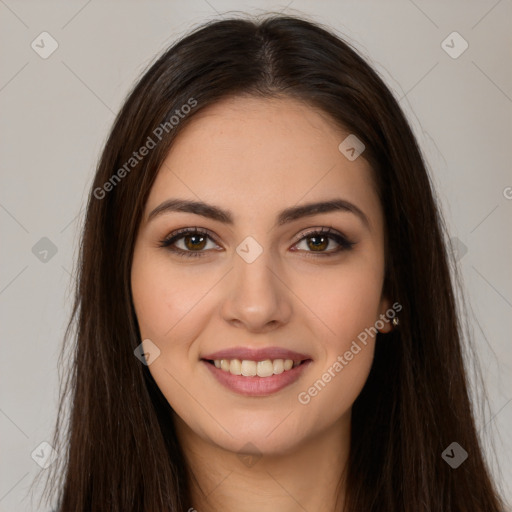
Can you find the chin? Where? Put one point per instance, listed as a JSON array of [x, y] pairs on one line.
[[272, 434]]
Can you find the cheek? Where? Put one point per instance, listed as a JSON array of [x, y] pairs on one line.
[[165, 300], [169, 312], [346, 359], [345, 299], [346, 302]]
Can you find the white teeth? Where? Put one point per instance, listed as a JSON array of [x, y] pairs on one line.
[[278, 366], [265, 368], [248, 368], [288, 363], [235, 367]]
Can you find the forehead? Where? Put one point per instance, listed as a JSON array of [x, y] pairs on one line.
[[260, 155]]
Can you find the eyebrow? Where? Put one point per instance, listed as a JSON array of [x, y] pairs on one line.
[[285, 216]]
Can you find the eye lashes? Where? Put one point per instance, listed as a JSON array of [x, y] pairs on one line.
[[181, 233]]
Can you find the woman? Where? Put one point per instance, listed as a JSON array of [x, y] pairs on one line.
[[265, 314]]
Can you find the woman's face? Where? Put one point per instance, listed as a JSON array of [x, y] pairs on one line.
[[256, 284]]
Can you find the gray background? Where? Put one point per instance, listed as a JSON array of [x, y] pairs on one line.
[[56, 113]]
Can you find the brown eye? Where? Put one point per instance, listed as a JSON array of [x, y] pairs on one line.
[[195, 242], [192, 241], [318, 241]]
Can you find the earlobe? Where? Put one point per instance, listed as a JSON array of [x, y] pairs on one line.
[[385, 322], [386, 325]]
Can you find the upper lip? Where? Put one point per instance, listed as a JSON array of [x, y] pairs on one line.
[[259, 354]]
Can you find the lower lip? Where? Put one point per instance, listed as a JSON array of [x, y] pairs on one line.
[[257, 386]]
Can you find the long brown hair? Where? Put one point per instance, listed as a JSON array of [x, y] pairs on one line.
[[119, 451]]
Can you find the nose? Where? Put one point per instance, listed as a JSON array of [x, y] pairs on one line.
[[257, 297]]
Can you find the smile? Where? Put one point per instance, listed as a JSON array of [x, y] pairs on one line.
[[256, 378]]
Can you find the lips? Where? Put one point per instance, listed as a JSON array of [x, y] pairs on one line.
[[244, 362]]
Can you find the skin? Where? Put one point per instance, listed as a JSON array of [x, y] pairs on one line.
[[256, 157]]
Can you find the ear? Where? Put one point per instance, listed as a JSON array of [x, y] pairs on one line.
[[384, 305]]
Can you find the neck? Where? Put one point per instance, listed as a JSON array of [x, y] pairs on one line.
[[308, 477]]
